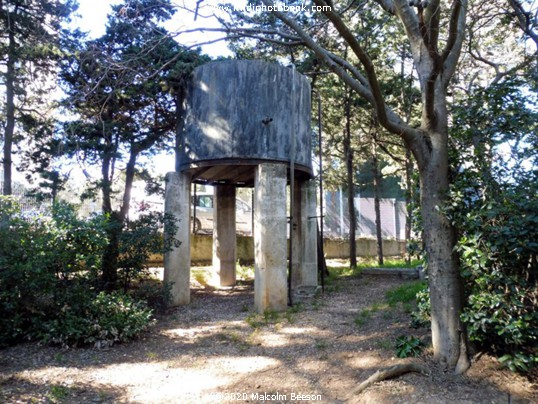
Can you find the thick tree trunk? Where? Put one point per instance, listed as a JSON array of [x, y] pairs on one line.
[[446, 291], [377, 208], [446, 288]]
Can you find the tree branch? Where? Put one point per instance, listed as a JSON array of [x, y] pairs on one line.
[[387, 5], [454, 43], [349, 37], [410, 21], [524, 20]]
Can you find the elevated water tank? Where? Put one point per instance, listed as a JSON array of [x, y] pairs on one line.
[[243, 113]]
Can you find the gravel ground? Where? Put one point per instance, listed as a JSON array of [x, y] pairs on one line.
[[217, 350]]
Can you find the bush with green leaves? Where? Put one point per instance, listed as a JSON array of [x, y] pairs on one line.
[[408, 346], [140, 239], [494, 204], [49, 266], [100, 320], [39, 258]]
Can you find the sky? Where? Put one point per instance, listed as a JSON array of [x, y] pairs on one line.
[[93, 15]]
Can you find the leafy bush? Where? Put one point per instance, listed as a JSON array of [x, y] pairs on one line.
[[408, 346], [156, 294], [101, 321], [39, 258], [48, 271], [494, 204], [422, 315], [139, 240]]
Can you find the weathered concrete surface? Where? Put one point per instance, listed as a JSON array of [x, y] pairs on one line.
[[270, 244], [406, 273], [177, 262], [309, 273], [240, 112], [304, 265], [224, 238], [365, 248]]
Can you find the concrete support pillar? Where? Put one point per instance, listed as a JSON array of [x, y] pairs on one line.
[[177, 262], [297, 236], [309, 272], [270, 244], [224, 239], [305, 266]]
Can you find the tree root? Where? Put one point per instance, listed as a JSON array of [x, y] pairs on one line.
[[388, 373]]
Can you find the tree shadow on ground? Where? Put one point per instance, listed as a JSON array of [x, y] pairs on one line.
[[218, 345]]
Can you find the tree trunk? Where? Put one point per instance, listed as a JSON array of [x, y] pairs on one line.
[[408, 199], [116, 224], [10, 113], [377, 181], [446, 288], [180, 122], [109, 279], [348, 152]]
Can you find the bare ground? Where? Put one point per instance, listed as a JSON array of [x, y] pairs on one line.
[[217, 350]]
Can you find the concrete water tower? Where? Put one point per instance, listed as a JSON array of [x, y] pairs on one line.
[[247, 123]]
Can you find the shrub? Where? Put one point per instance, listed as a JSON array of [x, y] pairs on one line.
[[101, 321], [140, 239], [48, 271], [408, 346], [156, 294]]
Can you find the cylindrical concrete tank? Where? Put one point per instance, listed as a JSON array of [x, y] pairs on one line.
[[243, 113]]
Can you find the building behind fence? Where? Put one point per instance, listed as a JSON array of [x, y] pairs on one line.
[[336, 224]]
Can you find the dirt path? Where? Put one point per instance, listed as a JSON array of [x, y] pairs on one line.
[[217, 350]]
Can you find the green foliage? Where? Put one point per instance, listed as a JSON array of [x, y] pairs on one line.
[[49, 267], [519, 362], [138, 241], [422, 315], [58, 393], [157, 295], [256, 320], [363, 316], [408, 346], [405, 293], [494, 201], [244, 273], [100, 321], [39, 259]]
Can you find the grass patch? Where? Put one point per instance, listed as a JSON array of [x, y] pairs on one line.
[[256, 320], [201, 276], [366, 314], [405, 294], [364, 263], [58, 394], [363, 316], [398, 263], [244, 273], [385, 344]]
